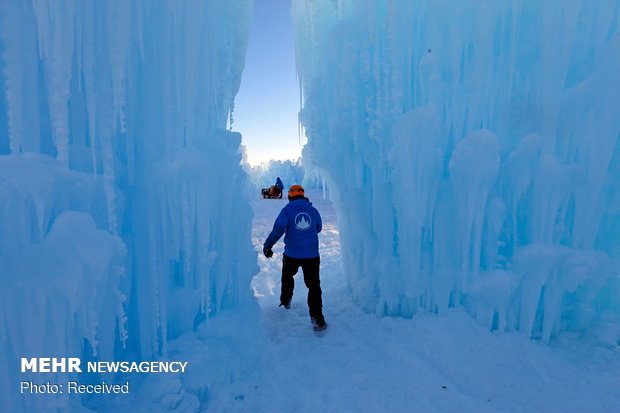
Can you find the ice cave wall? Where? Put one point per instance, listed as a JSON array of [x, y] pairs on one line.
[[472, 149], [122, 207]]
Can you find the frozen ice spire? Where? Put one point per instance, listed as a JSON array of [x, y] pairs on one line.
[[479, 143], [124, 104]]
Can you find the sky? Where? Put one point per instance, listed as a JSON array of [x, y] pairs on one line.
[[267, 104]]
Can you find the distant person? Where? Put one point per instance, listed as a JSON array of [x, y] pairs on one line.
[[275, 191], [301, 222], [279, 184]]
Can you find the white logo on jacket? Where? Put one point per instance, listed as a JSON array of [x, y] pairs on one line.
[[303, 221]]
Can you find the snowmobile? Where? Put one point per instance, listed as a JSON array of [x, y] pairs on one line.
[[272, 192]]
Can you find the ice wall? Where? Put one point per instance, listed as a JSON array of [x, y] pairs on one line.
[[473, 151], [122, 223], [264, 175], [291, 172]]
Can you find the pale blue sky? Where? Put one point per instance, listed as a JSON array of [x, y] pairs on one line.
[[267, 104]]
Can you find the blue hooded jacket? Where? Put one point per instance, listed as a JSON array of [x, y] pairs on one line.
[[279, 183], [302, 223]]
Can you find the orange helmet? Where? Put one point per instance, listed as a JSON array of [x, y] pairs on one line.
[[295, 190]]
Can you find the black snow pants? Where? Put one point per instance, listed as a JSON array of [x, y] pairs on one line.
[[310, 268]]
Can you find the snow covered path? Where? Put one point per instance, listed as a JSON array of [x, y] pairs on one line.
[[430, 363]]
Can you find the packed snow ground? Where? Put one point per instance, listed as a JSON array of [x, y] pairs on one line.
[[366, 363]]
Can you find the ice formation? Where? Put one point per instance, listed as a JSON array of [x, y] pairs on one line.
[[120, 230], [473, 152], [470, 147], [291, 172]]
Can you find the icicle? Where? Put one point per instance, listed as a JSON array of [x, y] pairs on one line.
[[156, 284], [118, 15], [187, 217], [56, 27], [88, 66], [13, 72], [230, 115], [121, 317]]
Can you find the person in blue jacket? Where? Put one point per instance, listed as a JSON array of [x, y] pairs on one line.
[[279, 184], [300, 223]]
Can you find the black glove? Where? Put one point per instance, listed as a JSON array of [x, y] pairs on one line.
[[268, 252]]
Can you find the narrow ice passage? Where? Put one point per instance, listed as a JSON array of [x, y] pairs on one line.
[[428, 363]]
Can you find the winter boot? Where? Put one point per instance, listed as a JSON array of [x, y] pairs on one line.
[[318, 323]]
